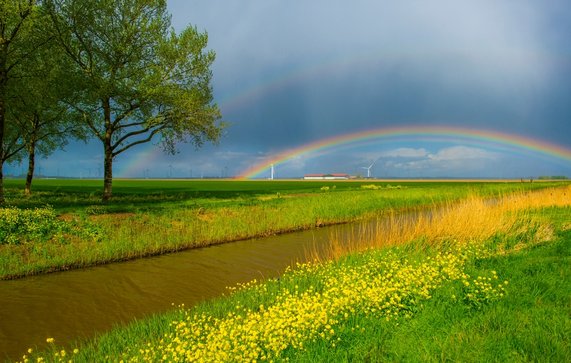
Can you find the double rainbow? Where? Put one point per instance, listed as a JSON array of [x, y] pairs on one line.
[[411, 132]]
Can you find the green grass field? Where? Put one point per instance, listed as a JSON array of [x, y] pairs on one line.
[[64, 225], [504, 298], [75, 195]]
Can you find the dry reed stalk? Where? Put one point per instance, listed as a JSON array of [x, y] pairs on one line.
[[474, 219]]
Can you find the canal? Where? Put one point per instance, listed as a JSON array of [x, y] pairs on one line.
[[79, 304]]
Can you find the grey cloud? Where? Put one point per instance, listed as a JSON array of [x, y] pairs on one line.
[[405, 152], [452, 158], [462, 153]]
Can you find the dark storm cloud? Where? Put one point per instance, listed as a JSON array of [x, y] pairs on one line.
[[486, 64], [293, 72]]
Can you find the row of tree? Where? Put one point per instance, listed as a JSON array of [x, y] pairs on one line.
[[113, 70]]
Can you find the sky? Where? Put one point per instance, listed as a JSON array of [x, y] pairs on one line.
[[291, 73]]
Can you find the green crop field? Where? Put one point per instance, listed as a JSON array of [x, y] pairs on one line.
[[65, 225], [68, 194]]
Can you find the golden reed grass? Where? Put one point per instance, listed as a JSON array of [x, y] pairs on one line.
[[471, 220]]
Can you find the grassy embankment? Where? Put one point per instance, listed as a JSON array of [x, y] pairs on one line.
[[477, 282], [154, 217]]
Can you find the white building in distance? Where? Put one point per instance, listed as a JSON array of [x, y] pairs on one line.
[[335, 176]]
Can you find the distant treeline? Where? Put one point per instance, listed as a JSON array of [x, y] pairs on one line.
[[553, 177]]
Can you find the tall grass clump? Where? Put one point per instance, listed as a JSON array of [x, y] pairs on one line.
[[473, 219]]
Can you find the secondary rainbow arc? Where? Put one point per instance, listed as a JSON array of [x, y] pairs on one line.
[[518, 141]]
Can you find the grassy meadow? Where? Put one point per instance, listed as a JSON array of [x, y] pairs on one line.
[[480, 280], [64, 225]]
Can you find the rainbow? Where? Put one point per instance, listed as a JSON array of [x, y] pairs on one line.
[[140, 160], [409, 132], [245, 95], [323, 67], [242, 96]]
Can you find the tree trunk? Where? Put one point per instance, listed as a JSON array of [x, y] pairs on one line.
[[108, 150], [3, 81], [108, 175], [1, 183], [31, 166]]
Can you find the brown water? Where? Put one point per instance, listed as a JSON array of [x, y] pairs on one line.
[[78, 304]]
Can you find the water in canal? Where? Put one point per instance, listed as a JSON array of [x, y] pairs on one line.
[[80, 303]]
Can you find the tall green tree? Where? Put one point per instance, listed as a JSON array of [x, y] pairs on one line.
[[38, 106], [17, 43], [138, 79]]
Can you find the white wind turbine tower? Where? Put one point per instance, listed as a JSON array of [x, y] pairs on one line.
[[369, 168], [272, 172]]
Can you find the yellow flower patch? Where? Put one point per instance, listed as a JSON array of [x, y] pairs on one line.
[[383, 285]]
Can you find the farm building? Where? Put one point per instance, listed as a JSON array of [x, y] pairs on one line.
[[336, 176]]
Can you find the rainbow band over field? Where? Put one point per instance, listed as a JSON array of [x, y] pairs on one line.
[[517, 141]]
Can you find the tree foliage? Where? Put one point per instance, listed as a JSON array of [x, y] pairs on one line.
[[135, 77], [38, 104], [17, 43]]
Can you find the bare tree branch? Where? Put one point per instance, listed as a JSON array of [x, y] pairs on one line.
[[149, 138], [125, 114]]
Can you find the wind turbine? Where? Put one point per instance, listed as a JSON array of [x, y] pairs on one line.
[[272, 172], [369, 169]]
